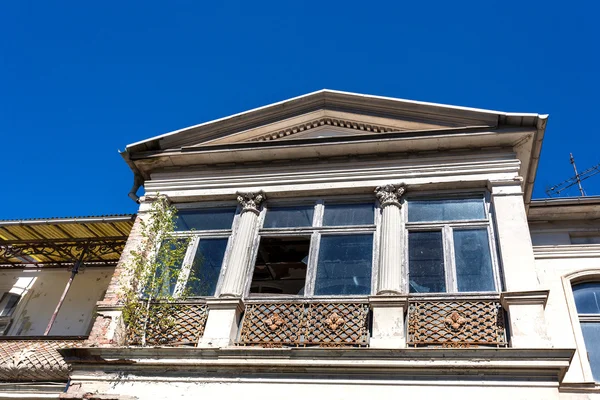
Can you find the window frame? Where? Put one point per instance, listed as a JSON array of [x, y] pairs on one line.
[[568, 281], [315, 232], [447, 228], [196, 236]]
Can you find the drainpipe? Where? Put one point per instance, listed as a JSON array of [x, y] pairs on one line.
[[74, 272], [137, 182]]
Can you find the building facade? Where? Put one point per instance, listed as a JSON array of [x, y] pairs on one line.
[[350, 246]]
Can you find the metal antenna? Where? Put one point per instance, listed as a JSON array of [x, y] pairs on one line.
[[576, 174], [575, 180]]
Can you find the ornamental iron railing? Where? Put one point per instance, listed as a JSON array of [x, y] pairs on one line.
[[457, 323], [174, 324], [300, 324], [35, 359]]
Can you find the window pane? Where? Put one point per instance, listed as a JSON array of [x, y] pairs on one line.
[[168, 266], [344, 265], [206, 267], [348, 214], [289, 217], [587, 298], [585, 239], [426, 262], [445, 210], [280, 266], [473, 261], [591, 336], [205, 219], [8, 303]]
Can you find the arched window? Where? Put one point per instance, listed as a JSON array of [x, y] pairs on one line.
[[587, 302]]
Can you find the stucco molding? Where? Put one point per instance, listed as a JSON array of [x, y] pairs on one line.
[[251, 201], [567, 251], [524, 297], [390, 194], [325, 121]]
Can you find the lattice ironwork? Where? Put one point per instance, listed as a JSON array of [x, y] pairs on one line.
[[305, 324], [34, 360], [171, 325], [456, 323], [61, 252]]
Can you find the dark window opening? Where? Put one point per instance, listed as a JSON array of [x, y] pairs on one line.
[[280, 266]]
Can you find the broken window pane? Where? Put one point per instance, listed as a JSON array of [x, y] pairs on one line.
[[446, 210], [206, 267], [205, 219], [280, 266], [289, 217], [344, 266], [473, 261], [426, 262], [348, 214]]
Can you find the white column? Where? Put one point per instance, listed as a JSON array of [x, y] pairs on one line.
[[524, 299], [388, 330], [235, 274], [390, 243]]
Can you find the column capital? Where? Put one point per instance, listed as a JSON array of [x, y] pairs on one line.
[[251, 201], [390, 194]]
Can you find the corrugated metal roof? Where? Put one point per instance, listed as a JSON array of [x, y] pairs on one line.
[[59, 241]]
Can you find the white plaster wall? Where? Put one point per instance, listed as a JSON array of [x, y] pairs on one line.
[[331, 390], [560, 328], [42, 294]]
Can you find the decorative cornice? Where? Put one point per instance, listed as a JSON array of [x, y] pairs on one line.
[[251, 201], [390, 194], [531, 297], [326, 121], [567, 251]]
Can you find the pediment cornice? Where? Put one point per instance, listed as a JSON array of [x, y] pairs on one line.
[[325, 121]]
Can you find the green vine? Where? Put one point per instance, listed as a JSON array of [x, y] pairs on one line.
[[150, 276]]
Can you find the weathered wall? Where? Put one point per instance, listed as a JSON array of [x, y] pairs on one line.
[[152, 388], [41, 291]]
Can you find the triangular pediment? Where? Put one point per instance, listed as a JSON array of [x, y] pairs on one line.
[[327, 123], [320, 115]]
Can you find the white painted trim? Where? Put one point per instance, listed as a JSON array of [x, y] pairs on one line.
[[567, 282]]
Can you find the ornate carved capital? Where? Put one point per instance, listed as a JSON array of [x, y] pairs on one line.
[[390, 194], [251, 201]]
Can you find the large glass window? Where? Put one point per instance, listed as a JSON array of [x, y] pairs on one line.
[[449, 246], [587, 301], [207, 232], [322, 248]]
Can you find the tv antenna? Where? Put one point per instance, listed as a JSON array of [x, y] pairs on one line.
[[575, 180]]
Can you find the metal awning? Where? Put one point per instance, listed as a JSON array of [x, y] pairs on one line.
[[58, 242]]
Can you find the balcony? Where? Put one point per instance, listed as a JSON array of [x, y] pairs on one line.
[[444, 321]]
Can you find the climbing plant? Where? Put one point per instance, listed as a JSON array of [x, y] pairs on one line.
[[151, 274]]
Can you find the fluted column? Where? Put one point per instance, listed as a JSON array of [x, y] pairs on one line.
[[390, 244], [233, 282]]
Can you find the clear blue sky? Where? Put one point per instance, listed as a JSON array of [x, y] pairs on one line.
[[80, 80]]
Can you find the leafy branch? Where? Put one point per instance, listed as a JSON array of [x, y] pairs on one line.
[[149, 282]]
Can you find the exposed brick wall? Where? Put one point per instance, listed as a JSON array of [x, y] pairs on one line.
[[106, 328]]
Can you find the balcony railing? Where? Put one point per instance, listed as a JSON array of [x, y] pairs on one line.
[[456, 323], [175, 324], [27, 359], [310, 323]]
